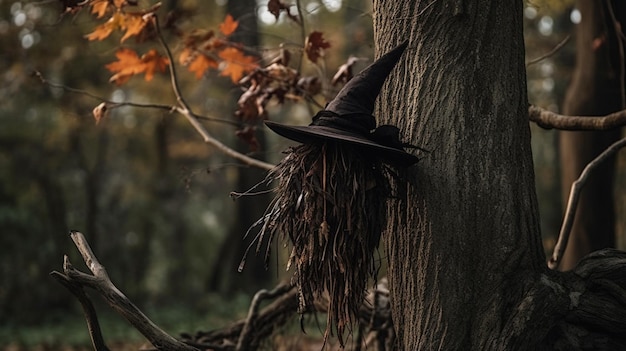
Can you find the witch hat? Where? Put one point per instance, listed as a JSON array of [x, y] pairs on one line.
[[348, 117]]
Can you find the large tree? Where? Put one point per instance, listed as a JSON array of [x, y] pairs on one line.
[[466, 264]]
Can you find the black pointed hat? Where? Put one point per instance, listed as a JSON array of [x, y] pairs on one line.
[[348, 117]]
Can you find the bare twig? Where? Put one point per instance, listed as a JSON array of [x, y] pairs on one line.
[[248, 328], [186, 111], [91, 317], [548, 120], [182, 108], [549, 53], [113, 104], [302, 33], [617, 27], [100, 282], [570, 212]]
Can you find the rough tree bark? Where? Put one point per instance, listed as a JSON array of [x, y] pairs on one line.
[[466, 266], [594, 91]]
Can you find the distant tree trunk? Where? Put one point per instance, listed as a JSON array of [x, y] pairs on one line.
[[225, 277], [596, 89]]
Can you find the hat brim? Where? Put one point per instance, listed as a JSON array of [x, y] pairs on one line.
[[312, 134]]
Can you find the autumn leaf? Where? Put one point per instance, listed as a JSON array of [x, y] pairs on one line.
[[100, 112], [104, 30], [121, 3], [248, 135], [229, 25], [200, 64], [99, 8], [275, 7], [153, 62], [314, 45], [133, 24], [128, 64], [344, 72], [197, 37], [236, 63]]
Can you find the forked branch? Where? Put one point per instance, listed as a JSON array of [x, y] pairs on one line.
[[76, 280], [184, 109], [570, 211], [246, 334]]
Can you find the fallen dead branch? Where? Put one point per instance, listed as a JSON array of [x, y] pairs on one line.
[[374, 326]]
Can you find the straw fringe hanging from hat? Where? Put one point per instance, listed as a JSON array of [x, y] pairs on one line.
[[331, 194]]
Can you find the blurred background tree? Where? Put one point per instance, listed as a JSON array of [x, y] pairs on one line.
[[596, 89], [152, 198]]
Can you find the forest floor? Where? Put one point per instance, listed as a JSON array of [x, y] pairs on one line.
[[68, 332]]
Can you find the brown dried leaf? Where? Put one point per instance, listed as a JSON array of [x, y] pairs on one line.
[[275, 7], [100, 112], [344, 72], [314, 45], [310, 85], [248, 135]]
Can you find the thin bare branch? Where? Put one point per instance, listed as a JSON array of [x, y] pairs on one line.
[[113, 104], [302, 33], [549, 53], [548, 120], [186, 111], [93, 326], [570, 211], [617, 27], [100, 282], [248, 328]]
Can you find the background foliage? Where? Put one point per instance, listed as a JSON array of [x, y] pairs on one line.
[[150, 196]]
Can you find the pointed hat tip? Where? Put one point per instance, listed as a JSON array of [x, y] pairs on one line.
[[359, 94]]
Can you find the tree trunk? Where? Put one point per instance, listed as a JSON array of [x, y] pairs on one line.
[[464, 245], [466, 264], [255, 276], [594, 91]]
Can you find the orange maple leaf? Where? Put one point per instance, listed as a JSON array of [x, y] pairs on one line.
[[229, 25], [153, 62], [120, 3], [236, 63], [133, 24], [128, 64], [104, 30], [200, 64], [314, 45], [99, 8]]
